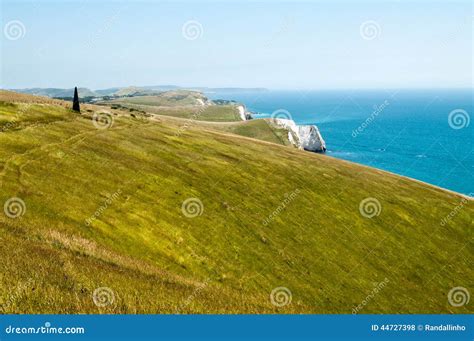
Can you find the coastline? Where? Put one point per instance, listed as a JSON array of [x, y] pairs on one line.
[[466, 196], [405, 137], [421, 182], [285, 195]]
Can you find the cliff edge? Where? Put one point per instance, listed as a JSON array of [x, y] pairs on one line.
[[305, 137]]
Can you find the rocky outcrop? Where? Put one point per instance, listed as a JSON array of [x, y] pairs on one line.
[[311, 139], [305, 137], [244, 114]]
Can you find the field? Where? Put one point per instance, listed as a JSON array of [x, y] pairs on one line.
[[217, 113], [161, 216], [258, 129], [179, 103], [168, 98]]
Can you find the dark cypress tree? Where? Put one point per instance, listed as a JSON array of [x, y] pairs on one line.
[[75, 101]]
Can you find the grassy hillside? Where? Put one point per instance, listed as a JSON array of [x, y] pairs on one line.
[[258, 129], [168, 98], [211, 113], [178, 103], [134, 91], [271, 216], [54, 92]]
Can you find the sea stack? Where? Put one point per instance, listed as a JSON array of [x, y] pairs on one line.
[[306, 137], [75, 101], [311, 139]]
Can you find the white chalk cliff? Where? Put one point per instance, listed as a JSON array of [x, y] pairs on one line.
[[241, 110], [305, 137], [244, 114]]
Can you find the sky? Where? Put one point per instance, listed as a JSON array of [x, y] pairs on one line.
[[276, 45]]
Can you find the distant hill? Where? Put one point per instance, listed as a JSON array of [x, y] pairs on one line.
[[58, 93], [231, 89], [172, 98], [161, 87], [135, 91], [107, 92], [199, 88], [122, 91]]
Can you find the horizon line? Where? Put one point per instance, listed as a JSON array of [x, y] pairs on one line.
[[181, 87]]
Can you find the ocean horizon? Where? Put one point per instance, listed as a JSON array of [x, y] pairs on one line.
[[422, 134]]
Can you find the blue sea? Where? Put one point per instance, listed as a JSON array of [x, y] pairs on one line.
[[423, 134]]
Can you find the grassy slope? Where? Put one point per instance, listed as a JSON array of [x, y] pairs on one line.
[[159, 100], [214, 113], [257, 129], [181, 104], [157, 260]]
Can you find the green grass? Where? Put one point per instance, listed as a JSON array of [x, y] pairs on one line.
[[227, 260], [214, 113], [167, 98], [180, 104], [258, 129], [155, 100]]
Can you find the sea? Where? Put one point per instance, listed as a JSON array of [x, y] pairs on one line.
[[423, 134]]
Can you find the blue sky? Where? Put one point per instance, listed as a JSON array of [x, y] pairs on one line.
[[284, 45]]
